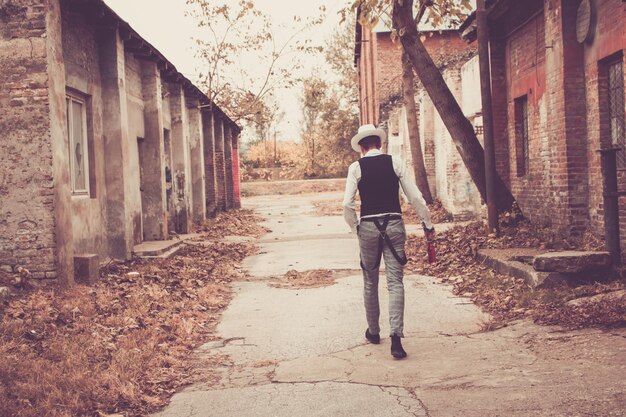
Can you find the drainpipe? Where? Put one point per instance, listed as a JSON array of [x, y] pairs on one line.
[[608, 163], [485, 90]]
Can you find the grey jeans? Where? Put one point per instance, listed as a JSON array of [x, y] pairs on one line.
[[368, 243]]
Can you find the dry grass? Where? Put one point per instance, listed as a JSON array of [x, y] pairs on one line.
[[507, 298], [123, 345]]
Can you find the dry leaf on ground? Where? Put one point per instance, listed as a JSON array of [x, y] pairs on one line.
[[308, 279], [507, 298], [124, 345], [241, 222]]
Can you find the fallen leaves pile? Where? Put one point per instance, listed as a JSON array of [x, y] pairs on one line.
[[315, 278], [233, 223], [507, 298], [123, 345], [438, 214]]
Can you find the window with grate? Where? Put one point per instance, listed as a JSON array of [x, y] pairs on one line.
[[79, 155], [521, 135], [615, 91]]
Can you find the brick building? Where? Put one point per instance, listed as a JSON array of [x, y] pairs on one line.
[[105, 145], [558, 98], [378, 60]]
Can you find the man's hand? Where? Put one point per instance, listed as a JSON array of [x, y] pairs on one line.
[[429, 233]]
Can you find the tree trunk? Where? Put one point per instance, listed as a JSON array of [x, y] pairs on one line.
[[461, 130], [421, 179]]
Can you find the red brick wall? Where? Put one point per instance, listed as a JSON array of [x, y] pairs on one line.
[[500, 107], [380, 67], [27, 222], [228, 165], [544, 62], [366, 66], [526, 76], [236, 173], [443, 47], [388, 69], [609, 42], [563, 81], [575, 123]]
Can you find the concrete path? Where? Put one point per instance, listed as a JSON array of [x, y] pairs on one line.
[[295, 352]]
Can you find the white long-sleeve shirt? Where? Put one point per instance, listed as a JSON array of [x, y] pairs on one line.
[[410, 190]]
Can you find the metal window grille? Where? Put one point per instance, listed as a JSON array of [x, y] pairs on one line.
[[616, 109], [479, 130], [521, 135]]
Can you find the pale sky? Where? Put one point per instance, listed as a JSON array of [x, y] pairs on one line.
[[163, 23]]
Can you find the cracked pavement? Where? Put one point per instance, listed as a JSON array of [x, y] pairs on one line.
[[302, 351]]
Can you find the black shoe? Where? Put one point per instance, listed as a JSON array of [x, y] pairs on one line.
[[396, 348], [372, 338]]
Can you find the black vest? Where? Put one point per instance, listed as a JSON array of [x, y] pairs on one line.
[[379, 186]]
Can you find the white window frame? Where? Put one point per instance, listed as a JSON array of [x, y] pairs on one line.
[[71, 98]]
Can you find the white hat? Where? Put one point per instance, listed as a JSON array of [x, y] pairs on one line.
[[365, 131]]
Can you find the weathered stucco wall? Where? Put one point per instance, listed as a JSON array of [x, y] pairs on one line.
[[181, 158], [82, 71], [455, 188], [136, 132], [470, 86], [152, 157], [448, 177], [52, 49], [196, 145]]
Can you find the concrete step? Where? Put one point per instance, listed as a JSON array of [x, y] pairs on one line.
[[167, 248], [162, 248], [610, 297], [572, 261], [519, 263], [505, 261], [157, 248]]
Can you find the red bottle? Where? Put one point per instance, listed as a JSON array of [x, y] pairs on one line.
[[430, 244]]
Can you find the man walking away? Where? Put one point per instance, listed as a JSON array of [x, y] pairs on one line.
[[381, 232]]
